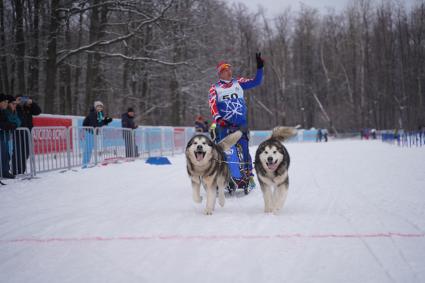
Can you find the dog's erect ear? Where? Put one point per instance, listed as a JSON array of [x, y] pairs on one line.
[[210, 143], [258, 166], [190, 142], [230, 140]]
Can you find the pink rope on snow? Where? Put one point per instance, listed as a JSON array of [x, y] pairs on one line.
[[214, 237]]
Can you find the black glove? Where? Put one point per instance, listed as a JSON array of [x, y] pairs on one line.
[[260, 61], [108, 120]]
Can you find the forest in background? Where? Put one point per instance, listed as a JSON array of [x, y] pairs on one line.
[[360, 67]]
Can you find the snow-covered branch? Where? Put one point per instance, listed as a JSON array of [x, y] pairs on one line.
[[132, 58], [100, 43]]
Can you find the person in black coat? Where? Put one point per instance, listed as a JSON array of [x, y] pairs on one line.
[[5, 128], [127, 119], [200, 125], [127, 122], [26, 109], [95, 119]]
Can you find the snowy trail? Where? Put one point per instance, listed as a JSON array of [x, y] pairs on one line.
[[354, 213]]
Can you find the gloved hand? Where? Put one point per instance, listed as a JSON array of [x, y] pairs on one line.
[[213, 134], [260, 61], [108, 120], [222, 122]]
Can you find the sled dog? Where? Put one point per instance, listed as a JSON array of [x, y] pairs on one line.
[[205, 162], [271, 164]]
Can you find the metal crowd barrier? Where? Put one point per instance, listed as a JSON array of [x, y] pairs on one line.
[[404, 139], [115, 143], [82, 143], [257, 137], [16, 153], [43, 149], [50, 146]]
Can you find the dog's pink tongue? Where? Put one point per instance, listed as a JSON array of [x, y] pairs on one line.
[[199, 156], [272, 167]]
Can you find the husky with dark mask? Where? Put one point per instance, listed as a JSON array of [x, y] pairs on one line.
[[271, 165], [206, 164]]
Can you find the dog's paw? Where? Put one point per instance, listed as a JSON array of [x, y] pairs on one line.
[[276, 211], [197, 200], [208, 211], [268, 210], [221, 201]]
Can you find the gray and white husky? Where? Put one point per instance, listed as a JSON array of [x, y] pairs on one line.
[[271, 164], [206, 163]]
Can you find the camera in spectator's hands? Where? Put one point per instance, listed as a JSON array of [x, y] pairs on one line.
[[23, 100]]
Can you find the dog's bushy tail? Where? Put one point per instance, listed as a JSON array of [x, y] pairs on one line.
[[230, 140], [283, 133]]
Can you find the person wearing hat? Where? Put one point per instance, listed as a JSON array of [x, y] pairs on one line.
[[228, 106], [26, 108], [6, 126], [96, 119], [200, 125], [127, 122]]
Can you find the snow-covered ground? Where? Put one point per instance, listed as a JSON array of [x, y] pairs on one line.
[[355, 213]]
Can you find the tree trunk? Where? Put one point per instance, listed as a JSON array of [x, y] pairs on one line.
[[33, 83], [3, 62], [51, 68], [76, 109], [66, 90], [94, 78], [20, 46]]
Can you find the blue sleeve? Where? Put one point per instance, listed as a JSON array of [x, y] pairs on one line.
[[250, 83]]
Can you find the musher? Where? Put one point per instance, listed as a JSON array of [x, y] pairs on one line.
[[228, 107]]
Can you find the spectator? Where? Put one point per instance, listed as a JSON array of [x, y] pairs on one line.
[[325, 134], [13, 118], [26, 109], [200, 126], [373, 133], [127, 122], [366, 133], [11, 113], [207, 126], [319, 135], [5, 127], [96, 119], [396, 135]]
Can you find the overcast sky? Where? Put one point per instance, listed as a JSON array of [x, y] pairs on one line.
[[274, 7]]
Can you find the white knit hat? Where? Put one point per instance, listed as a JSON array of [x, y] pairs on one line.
[[98, 103]]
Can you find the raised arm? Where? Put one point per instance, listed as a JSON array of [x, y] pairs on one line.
[[251, 83]]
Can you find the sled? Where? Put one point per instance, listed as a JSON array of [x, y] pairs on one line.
[[240, 175]]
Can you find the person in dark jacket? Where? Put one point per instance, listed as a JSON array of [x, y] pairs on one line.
[[127, 119], [95, 119], [26, 108], [5, 128], [127, 122], [200, 125], [12, 117]]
